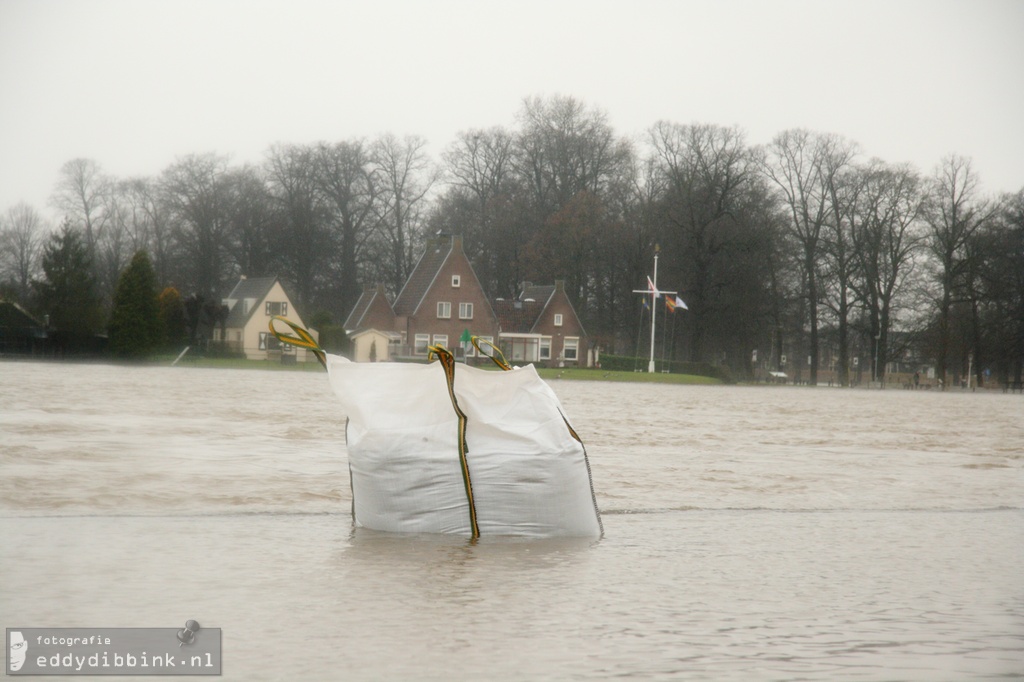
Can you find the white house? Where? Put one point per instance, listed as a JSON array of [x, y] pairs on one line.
[[251, 304]]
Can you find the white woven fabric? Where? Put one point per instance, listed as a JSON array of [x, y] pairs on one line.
[[528, 475]]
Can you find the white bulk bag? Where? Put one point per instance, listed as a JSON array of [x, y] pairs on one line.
[[448, 448]]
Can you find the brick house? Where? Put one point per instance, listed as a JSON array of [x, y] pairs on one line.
[[441, 300], [541, 326]]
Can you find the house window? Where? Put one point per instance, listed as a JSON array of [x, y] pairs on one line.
[[444, 310], [558, 319], [269, 342], [420, 347], [441, 340], [276, 308], [545, 348], [486, 349], [571, 348], [465, 311], [456, 281]]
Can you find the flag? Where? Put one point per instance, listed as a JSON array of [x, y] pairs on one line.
[[670, 304], [679, 302], [654, 289], [646, 305]]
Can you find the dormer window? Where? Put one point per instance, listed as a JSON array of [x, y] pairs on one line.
[[558, 319], [456, 281]]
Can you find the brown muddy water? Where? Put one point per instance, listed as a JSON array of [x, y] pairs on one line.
[[751, 533]]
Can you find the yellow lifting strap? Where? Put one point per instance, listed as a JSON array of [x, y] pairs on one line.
[[447, 360], [495, 355], [303, 338]]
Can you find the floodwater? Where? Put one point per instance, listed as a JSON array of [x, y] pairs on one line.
[[751, 533]]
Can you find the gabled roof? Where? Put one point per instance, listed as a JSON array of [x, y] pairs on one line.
[[523, 314], [254, 288], [517, 316], [14, 316], [423, 275], [371, 296], [541, 294]]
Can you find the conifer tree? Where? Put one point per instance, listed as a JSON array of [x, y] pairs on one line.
[[66, 294], [136, 328]]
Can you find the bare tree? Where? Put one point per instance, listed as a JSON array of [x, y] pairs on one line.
[[22, 235], [194, 190], [253, 239], [1002, 286], [841, 188], [406, 177], [350, 186], [886, 239], [563, 148], [113, 245], [481, 162], [707, 173], [81, 194], [622, 253], [802, 165], [148, 223], [954, 213], [567, 157], [306, 246], [480, 175]]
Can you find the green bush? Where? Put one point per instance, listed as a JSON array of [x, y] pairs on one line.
[[333, 339]]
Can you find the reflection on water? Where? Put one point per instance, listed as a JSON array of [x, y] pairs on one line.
[[750, 533]]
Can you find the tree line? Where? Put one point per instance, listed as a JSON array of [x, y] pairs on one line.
[[799, 245]]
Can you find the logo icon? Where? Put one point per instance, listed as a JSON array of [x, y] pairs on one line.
[[19, 647]]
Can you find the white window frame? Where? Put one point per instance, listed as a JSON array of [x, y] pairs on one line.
[[444, 310], [456, 281], [571, 342], [465, 311], [440, 340], [544, 350], [420, 344], [558, 319], [488, 339]]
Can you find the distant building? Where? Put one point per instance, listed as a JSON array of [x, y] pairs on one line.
[[443, 299], [251, 304], [20, 332], [541, 326]]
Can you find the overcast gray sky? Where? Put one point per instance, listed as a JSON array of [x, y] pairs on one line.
[[134, 84]]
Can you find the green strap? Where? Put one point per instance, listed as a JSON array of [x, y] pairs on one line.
[[303, 338], [447, 361]]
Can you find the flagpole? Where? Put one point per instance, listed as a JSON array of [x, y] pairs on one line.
[[654, 292], [654, 315]]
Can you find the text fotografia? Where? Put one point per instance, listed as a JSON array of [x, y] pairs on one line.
[[191, 650]]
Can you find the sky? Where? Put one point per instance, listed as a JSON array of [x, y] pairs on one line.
[[135, 84]]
